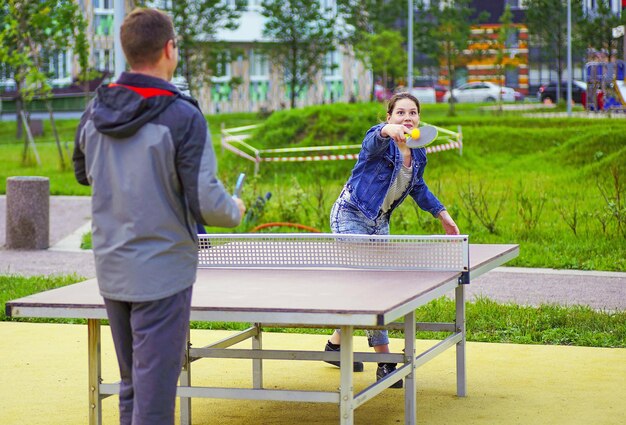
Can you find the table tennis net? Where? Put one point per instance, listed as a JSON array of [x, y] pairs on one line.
[[433, 253]]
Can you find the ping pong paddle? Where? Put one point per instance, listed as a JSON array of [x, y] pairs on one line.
[[239, 185], [421, 137]]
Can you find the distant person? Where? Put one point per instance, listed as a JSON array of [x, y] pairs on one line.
[[379, 91], [386, 172], [146, 151]]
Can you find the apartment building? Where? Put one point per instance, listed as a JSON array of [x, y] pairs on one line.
[[342, 79], [260, 84], [484, 47]]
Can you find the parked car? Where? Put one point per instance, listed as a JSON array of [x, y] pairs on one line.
[[182, 85], [424, 94], [428, 85], [440, 92], [547, 92], [483, 91]]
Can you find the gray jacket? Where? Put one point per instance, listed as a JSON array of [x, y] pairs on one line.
[[146, 151]]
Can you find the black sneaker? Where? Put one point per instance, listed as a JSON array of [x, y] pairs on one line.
[[385, 369], [356, 367]]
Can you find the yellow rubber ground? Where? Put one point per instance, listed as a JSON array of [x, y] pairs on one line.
[[43, 381]]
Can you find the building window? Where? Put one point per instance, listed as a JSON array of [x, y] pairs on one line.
[[105, 60], [103, 24], [258, 91], [222, 65], [332, 64], [333, 91], [57, 65], [259, 65], [221, 92], [5, 72], [103, 4], [6, 78]]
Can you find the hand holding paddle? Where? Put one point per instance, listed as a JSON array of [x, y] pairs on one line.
[[421, 137], [414, 137]]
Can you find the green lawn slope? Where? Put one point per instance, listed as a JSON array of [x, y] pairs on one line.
[[556, 186]]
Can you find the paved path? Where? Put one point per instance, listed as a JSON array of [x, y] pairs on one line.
[[70, 218]]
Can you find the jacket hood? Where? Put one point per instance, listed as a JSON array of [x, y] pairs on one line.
[[122, 108]]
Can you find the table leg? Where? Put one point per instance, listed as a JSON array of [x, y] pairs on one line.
[[95, 371], [185, 381], [461, 382], [410, 387], [257, 364], [346, 391]]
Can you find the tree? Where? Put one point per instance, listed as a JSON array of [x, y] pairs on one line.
[[596, 29], [87, 73], [196, 23], [372, 16], [547, 26], [384, 54], [368, 23], [444, 33], [30, 30], [301, 35], [504, 59]]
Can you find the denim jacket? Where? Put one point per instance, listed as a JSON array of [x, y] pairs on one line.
[[378, 165]]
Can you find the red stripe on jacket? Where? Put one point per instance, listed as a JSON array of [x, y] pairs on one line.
[[145, 92]]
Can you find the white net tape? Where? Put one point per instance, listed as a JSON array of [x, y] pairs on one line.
[[434, 253]]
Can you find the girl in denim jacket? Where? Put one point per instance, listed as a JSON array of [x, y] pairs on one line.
[[386, 172]]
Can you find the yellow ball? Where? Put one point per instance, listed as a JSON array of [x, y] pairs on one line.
[[415, 133]]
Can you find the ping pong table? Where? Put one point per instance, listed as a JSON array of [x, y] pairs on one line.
[[304, 280]]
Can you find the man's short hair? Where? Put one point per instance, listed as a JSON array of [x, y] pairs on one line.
[[144, 34]]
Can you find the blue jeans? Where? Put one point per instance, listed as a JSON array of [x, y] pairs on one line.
[[346, 218]]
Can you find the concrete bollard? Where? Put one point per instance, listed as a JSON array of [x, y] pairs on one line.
[[28, 213]]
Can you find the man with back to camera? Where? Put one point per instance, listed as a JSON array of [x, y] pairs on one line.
[[146, 151]]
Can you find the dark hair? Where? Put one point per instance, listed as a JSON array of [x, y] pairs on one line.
[[144, 34], [403, 95]]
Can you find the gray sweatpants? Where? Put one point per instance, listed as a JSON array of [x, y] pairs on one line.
[[149, 339]]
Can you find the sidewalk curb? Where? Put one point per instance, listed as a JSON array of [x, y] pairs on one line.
[[570, 272], [72, 242]]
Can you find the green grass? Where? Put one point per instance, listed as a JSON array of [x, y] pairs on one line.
[[13, 287], [521, 163], [487, 321], [62, 181], [564, 165]]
